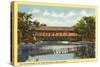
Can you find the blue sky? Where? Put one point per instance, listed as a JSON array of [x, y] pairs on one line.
[[56, 16]]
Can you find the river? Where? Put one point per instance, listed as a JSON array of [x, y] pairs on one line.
[[60, 51]]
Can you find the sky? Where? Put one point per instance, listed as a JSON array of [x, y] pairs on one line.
[[56, 16]]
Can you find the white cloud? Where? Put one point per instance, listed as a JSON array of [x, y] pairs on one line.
[[54, 14], [46, 13], [70, 14], [83, 13], [58, 23], [52, 23], [41, 20], [35, 11], [61, 15], [57, 15]]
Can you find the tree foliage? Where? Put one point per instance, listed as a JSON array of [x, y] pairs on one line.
[[25, 23], [85, 27]]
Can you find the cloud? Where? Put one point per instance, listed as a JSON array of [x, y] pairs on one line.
[[61, 15], [52, 22], [35, 11], [54, 14], [41, 19], [84, 13], [66, 15], [70, 14], [46, 13], [58, 15], [57, 23], [60, 23]]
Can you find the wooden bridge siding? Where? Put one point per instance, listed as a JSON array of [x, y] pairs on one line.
[[55, 38], [55, 35]]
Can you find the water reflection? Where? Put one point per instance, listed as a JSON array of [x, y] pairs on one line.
[[55, 50]]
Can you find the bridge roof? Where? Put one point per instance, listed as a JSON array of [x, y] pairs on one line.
[[46, 28]]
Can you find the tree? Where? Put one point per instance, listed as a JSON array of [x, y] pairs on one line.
[[24, 23], [36, 23], [43, 25], [24, 27], [86, 28]]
